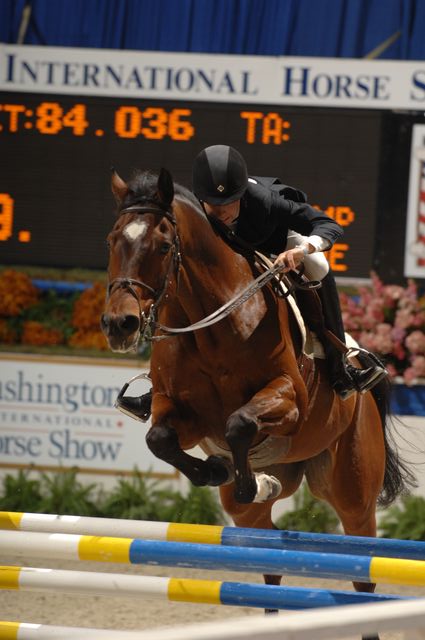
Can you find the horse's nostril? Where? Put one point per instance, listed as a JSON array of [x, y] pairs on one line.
[[130, 324]]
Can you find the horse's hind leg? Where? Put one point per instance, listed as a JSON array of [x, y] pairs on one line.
[[351, 477], [272, 407]]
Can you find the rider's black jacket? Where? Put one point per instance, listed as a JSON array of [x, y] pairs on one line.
[[270, 209]]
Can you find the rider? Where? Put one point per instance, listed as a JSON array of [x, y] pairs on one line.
[[277, 221]]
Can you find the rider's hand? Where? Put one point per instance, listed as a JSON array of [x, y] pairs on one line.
[[290, 258]]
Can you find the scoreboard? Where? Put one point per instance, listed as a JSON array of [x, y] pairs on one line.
[[56, 207]]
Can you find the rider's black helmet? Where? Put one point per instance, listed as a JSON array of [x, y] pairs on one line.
[[220, 175]]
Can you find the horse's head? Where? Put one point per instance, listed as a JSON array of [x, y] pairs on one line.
[[143, 252]]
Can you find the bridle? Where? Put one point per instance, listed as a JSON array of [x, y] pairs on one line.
[[148, 323]]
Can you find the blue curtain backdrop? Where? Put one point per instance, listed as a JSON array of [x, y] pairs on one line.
[[326, 28]]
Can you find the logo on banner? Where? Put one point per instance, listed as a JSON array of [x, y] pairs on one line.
[[414, 264]]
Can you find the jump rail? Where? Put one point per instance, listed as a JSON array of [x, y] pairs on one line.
[[208, 534], [180, 589], [189, 555], [320, 624]]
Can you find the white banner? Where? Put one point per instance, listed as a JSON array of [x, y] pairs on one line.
[[319, 82], [60, 414]]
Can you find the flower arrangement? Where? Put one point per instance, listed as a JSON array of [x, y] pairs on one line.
[[86, 319], [389, 320], [31, 317], [17, 293]]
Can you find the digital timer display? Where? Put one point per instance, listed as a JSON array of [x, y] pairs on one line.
[[153, 123], [55, 202]]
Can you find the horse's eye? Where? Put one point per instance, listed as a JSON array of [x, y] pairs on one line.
[[165, 247]]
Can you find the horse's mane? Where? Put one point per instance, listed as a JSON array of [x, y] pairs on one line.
[[142, 188]]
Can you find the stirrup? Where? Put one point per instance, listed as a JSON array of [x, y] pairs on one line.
[[120, 396], [354, 351], [380, 375], [381, 371]]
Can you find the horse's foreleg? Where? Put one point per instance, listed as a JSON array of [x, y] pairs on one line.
[[162, 439], [272, 407]]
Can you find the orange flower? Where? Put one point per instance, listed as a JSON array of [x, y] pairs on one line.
[[88, 308], [87, 339], [16, 293], [36, 333]]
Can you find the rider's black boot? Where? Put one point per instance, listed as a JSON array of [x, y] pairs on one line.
[[138, 407], [345, 378]]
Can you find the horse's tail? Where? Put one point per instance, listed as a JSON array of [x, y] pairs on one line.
[[398, 478]]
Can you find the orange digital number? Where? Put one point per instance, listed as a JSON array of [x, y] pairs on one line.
[[49, 118], [75, 118], [156, 128], [158, 123], [6, 216], [128, 122], [179, 129]]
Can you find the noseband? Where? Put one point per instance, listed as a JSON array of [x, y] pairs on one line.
[[147, 323]]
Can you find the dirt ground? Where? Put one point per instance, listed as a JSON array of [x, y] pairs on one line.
[[129, 613]]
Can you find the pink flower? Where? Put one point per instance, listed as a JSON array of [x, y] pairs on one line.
[[415, 342], [389, 320], [404, 318]]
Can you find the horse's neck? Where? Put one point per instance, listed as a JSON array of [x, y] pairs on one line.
[[211, 275]]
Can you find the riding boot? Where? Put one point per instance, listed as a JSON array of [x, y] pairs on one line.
[[345, 378], [138, 407]]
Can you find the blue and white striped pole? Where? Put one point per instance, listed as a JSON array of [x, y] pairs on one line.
[[208, 556], [211, 534]]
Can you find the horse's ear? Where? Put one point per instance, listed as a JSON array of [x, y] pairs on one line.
[[165, 187], [118, 186]]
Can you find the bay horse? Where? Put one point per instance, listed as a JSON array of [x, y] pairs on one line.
[[235, 387]]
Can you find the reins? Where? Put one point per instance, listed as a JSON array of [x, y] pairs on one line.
[[149, 321]]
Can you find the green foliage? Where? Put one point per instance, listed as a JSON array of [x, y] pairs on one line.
[[135, 498], [20, 493], [64, 494], [310, 515], [405, 521], [199, 506], [53, 311]]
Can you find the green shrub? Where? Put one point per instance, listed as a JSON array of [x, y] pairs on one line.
[[64, 494], [310, 515], [21, 493], [199, 506], [405, 521], [135, 498]]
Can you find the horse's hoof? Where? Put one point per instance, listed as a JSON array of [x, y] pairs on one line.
[[268, 487], [222, 471]]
